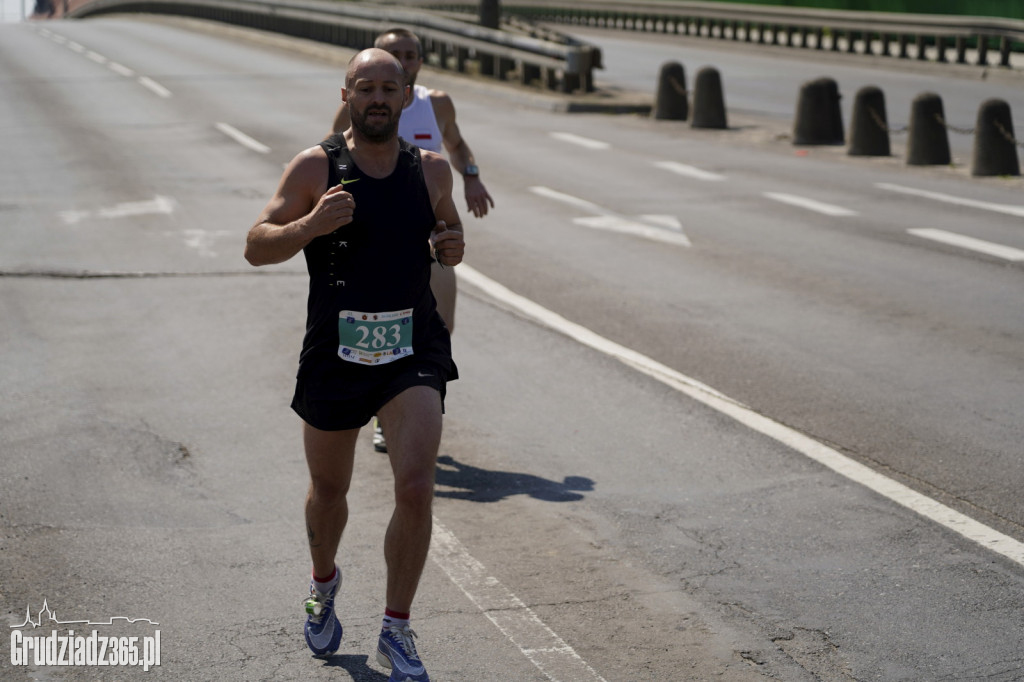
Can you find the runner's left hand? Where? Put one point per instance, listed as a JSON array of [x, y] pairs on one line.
[[449, 246]]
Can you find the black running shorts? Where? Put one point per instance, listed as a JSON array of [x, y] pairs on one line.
[[329, 414]]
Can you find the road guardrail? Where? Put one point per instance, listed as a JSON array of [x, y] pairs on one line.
[[928, 37], [563, 65]]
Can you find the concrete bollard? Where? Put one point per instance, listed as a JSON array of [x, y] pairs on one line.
[[708, 100], [818, 117], [671, 102], [927, 139], [995, 148], [869, 129]]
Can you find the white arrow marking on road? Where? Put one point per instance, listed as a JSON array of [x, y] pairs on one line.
[[626, 226], [669, 221], [611, 221], [689, 171], [970, 243], [587, 142], [156, 205], [202, 240], [809, 204]]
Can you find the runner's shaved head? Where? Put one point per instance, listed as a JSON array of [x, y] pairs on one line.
[[376, 61]]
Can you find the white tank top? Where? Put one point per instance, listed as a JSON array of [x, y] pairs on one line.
[[418, 124]]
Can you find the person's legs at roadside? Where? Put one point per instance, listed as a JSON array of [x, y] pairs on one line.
[[412, 422], [329, 455]]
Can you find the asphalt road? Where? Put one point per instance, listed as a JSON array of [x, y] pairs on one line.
[[732, 416]]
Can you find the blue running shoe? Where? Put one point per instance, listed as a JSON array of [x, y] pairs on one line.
[[323, 631], [396, 650]]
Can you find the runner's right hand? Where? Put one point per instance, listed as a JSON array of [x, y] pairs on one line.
[[333, 210]]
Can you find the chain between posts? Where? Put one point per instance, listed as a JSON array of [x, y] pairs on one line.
[[1007, 134], [949, 126], [880, 122], [677, 86]]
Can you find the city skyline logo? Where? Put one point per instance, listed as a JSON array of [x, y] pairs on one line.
[[51, 617], [63, 646]]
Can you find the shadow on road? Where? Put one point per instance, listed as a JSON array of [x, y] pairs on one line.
[[356, 666], [482, 485]]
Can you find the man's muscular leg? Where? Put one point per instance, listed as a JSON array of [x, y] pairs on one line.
[[412, 424], [330, 455]]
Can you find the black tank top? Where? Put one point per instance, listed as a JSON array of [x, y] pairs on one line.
[[379, 262]]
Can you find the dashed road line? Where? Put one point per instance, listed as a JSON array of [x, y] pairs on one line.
[[923, 505], [580, 141], [969, 243], [1008, 209], [242, 139], [153, 86], [809, 204], [120, 69], [689, 171]]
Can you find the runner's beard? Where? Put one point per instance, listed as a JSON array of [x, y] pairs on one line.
[[376, 132]]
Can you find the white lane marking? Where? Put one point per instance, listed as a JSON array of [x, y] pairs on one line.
[[1009, 209], [517, 621], [75, 47], [587, 142], [689, 171], [156, 205], [96, 57], [809, 204], [611, 221], [149, 83], [242, 139], [970, 243], [833, 459], [120, 69]]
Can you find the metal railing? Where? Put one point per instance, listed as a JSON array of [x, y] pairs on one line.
[[878, 33], [562, 65]]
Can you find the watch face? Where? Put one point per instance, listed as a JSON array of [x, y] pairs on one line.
[[472, 169]]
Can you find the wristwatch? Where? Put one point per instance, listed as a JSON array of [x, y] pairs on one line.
[[472, 169]]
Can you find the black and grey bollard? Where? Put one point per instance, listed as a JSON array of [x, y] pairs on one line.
[[708, 100], [995, 148], [927, 139], [818, 117], [671, 100], [869, 129]]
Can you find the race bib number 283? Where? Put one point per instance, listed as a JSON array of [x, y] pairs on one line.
[[374, 338]]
